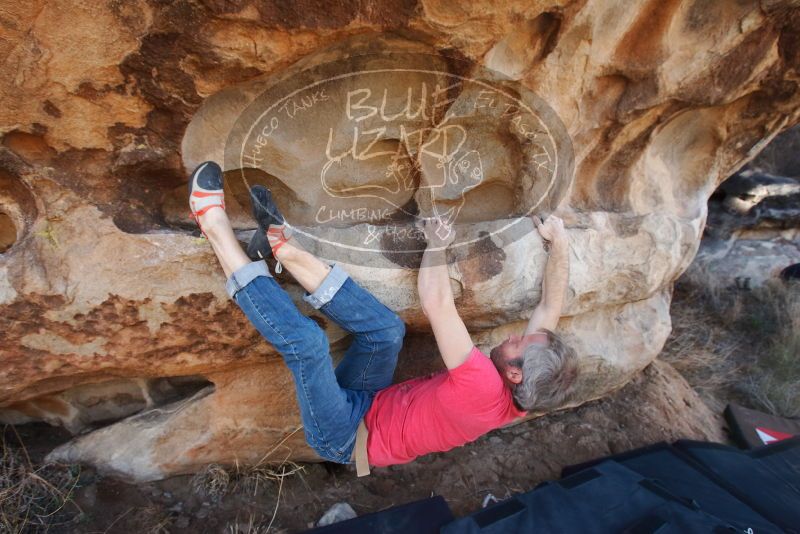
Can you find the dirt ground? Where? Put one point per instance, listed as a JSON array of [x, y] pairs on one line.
[[658, 405]]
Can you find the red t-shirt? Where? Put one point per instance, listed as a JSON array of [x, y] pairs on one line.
[[438, 412]]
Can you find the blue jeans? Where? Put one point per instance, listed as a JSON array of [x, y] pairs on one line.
[[331, 402]]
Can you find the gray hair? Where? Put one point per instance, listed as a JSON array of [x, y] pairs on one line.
[[548, 374]]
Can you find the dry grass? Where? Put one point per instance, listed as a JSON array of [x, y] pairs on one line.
[[216, 480], [251, 525], [32, 496], [774, 382], [254, 477], [156, 520], [736, 344], [703, 352], [149, 519]]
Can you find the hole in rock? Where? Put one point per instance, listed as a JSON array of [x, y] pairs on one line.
[[762, 197], [8, 232], [105, 403], [90, 406], [30, 147], [17, 210]]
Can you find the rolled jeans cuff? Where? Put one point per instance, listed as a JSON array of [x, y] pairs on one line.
[[328, 288], [244, 275]]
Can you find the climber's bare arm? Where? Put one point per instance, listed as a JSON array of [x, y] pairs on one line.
[[555, 278], [436, 296]]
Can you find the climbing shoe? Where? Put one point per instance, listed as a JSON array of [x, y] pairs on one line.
[[273, 232], [205, 190]]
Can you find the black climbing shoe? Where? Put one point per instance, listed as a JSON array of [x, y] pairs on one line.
[[266, 213]]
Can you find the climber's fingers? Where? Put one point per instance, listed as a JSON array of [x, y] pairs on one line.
[[437, 231]]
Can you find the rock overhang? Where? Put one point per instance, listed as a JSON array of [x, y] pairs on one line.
[[648, 152]]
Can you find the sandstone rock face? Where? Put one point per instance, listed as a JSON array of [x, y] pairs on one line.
[[111, 309]]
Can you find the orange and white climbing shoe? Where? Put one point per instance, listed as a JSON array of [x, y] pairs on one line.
[[273, 232], [205, 190]]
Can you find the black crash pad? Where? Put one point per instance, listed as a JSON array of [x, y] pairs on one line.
[[679, 474], [606, 498], [420, 517], [767, 479]]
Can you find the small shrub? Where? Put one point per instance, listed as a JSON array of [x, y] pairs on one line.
[[214, 481]]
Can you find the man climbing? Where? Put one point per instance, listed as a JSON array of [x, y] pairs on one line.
[[353, 413]]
